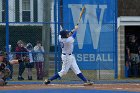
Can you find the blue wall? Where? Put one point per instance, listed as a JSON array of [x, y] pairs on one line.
[[95, 44]]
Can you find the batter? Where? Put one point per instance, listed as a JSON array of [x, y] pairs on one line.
[[66, 40]]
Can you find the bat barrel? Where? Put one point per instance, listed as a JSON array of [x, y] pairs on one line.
[[83, 9]]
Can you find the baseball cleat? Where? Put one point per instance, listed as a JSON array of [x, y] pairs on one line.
[[20, 78], [5, 83], [87, 83], [47, 81]]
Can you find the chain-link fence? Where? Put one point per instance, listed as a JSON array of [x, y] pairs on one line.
[[39, 20], [23, 24]]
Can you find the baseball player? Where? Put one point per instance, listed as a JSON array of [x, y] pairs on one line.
[[66, 40], [4, 71]]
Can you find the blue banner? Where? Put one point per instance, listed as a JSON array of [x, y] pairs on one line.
[[95, 44]]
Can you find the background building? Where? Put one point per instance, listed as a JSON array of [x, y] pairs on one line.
[[22, 10], [128, 25]]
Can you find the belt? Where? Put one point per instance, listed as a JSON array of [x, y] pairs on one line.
[[65, 54]]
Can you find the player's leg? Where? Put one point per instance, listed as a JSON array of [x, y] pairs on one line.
[[77, 71], [21, 70], [4, 74], [10, 66], [2, 82], [37, 69], [41, 70], [65, 67], [29, 72]]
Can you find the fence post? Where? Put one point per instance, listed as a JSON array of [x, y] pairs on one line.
[[116, 41], [55, 20], [7, 26], [46, 33]]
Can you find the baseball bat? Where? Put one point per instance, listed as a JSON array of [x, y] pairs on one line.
[[82, 12]]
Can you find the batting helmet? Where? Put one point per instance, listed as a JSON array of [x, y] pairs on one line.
[[29, 46], [64, 34]]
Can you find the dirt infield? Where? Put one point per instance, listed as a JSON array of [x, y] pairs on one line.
[[120, 87]]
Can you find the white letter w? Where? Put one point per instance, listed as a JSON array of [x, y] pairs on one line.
[[91, 17]]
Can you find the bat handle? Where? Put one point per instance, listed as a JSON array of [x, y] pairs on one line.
[[78, 23]]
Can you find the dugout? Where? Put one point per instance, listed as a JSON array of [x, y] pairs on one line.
[[127, 27]]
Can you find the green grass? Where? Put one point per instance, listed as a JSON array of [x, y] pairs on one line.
[[68, 77]]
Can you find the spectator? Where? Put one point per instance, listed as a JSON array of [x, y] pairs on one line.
[[39, 60], [21, 55], [133, 54], [30, 64]]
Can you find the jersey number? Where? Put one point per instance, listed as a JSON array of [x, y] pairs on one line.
[[62, 44]]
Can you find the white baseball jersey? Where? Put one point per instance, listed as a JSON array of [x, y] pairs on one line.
[[66, 44], [68, 58]]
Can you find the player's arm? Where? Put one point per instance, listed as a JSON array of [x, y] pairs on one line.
[[128, 51], [17, 61], [14, 61], [73, 32]]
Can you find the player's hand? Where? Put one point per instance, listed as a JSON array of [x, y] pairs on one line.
[[76, 27]]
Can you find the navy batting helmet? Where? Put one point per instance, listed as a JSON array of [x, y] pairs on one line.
[[29, 46], [64, 34]]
